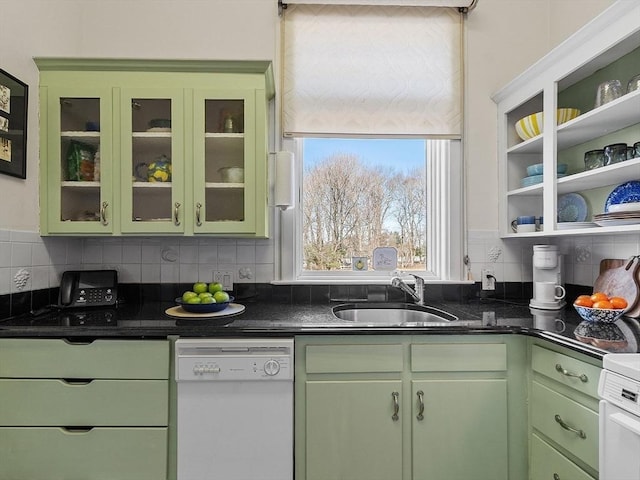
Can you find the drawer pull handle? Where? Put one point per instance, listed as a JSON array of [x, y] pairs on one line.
[[396, 406], [76, 430], [77, 381], [420, 395], [564, 425], [567, 373], [556, 476]]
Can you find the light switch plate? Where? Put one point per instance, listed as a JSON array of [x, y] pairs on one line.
[[225, 278]]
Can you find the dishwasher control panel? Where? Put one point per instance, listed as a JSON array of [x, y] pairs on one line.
[[199, 360]]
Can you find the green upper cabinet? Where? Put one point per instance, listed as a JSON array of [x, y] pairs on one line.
[[77, 170], [152, 160], [154, 147]]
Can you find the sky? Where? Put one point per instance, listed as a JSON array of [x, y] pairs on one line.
[[409, 153]]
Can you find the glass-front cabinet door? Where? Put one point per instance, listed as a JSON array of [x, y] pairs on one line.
[[79, 174], [152, 163], [224, 162]]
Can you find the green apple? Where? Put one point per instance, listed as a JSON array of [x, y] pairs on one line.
[[207, 300], [215, 287], [194, 300], [221, 297], [205, 295], [199, 287], [188, 294]]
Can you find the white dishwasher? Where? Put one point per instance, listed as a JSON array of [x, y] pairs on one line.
[[235, 409]]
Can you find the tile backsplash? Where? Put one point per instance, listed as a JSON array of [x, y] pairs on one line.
[[30, 262]]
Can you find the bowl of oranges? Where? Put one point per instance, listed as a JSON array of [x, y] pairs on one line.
[[600, 307]]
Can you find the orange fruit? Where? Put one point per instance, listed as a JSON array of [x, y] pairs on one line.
[[618, 302], [597, 296], [584, 301], [603, 305]]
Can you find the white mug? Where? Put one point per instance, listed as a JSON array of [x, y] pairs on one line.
[[548, 292]]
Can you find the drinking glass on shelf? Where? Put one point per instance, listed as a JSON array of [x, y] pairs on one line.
[[615, 153], [634, 84], [593, 159], [608, 91]]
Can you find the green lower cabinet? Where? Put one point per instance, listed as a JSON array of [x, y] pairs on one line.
[[95, 410], [548, 463], [54, 402], [351, 431], [563, 412], [462, 432], [100, 453], [395, 409]]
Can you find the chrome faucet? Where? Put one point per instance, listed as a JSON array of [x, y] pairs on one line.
[[417, 293]]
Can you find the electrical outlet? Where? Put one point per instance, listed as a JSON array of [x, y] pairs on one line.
[[225, 278], [488, 318], [488, 280]]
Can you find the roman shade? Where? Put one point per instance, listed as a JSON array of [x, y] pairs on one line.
[[357, 70]]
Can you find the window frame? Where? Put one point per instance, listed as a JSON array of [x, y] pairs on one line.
[[445, 233]]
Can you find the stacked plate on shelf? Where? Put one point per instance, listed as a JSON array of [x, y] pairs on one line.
[[622, 206], [573, 212]]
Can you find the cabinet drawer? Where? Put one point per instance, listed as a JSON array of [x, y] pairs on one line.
[[566, 370], [29, 402], [547, 405], [548, 463], [97, 454], [57, 358], [451, 357], [353, 358]]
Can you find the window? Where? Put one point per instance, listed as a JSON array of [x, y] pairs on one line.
[[359, 194], [375, 126]]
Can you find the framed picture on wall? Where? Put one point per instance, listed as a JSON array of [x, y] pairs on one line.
[[13, 125]]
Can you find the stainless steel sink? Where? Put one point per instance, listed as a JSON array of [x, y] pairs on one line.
[[392, 314]]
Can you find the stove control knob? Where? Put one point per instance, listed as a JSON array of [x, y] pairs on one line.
[[271, 367]]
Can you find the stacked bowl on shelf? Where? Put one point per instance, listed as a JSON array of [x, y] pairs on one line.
[[535, 174]]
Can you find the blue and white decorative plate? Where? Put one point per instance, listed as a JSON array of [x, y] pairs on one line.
[[572, 207], [625, 193]]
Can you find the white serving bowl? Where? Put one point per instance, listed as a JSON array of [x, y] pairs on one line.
[[232, 174], [532, 125]]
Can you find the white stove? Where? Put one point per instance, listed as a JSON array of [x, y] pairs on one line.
[[619, 390]]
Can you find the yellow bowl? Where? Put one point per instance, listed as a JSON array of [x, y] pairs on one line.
[[531, 125]]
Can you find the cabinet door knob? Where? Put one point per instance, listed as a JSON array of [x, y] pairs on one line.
[[176, 217], [198, 208], [396, 406], [420, 395], [103, 213]]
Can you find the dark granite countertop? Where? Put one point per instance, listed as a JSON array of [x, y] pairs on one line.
[[148, 320]]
